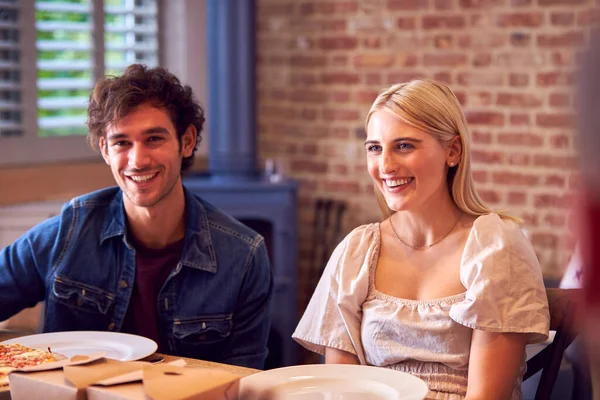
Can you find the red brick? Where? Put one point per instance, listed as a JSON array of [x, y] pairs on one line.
[[308, 61], [565, 18], [444, 77], [406, 59], [308, 166], [518, 80], [480, 176], [485, 118], [520, 3], [530, 219], [309, 149], [515, 179], [442, 41], [517, 60], [340, 96], [370, 60], [338, 7], [481, 79], [554, 120], [338, 43], [444, 22], [483, 4], [373, 78], [308, 114], [481, 137], [406, 23], [551, 201], [480, 99], [562, 58], [519, 119], [559, 162], [544, 240], [444, 59], [517, 198], [561, 2], [346, 78], [366, 97], [339, 60], [490, 196], [482, 41], [338, 186], [340, 133], [560, 141], [275, 9], [520, 20], [518, 159], [277, 94], [461, 97], [398, 77], [559, 100], [520, 39], [556, 220], [339, 169], [444, 4], [554, 78], [279, 112], [556, 180], [574, 181], [589, 17], [407, 4], [482, 60], [521, 139], [338, 114], [520, 100], [307, 183], [303, 79], [372, 42], [568, 39], [487, 157], [308, 96]]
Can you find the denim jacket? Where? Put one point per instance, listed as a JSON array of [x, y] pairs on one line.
[[213, 306]]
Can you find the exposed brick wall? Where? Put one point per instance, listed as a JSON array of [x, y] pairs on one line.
[[510, 62]]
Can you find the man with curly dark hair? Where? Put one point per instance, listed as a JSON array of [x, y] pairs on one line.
[[147, 257]]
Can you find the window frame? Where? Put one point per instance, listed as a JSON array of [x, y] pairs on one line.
[[179, 30]]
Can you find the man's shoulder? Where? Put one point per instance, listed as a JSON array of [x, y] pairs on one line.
[[223, 223], [98, 198]]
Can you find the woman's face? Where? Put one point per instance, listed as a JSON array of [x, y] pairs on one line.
[[408, 165]]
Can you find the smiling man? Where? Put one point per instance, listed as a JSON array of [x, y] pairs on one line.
[[146, 257]]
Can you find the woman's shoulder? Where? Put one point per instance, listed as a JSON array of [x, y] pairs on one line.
[[494, 225]]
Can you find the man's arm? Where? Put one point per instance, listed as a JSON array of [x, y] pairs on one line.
[[21, 285], [247, 345]]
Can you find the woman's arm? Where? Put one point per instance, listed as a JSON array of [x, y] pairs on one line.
[[335, 356], [494, 364]]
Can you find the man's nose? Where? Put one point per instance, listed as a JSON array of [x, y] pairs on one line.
[[139, 157]]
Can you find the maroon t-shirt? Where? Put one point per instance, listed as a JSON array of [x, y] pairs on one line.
[[152, 267]]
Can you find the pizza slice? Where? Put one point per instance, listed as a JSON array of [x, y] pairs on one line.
[[16, 356]]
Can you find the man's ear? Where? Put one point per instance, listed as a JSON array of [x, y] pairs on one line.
[[454, 151], [188, 141], [103, 149]]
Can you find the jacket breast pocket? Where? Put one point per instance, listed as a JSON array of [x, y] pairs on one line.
[[81, 296], [208, 329]]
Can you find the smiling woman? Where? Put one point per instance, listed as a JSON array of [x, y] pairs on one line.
[[443, 288]]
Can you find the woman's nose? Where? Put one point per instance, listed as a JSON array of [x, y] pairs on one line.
[[386, 163]]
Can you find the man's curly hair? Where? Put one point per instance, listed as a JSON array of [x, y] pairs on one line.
[[113, 98]]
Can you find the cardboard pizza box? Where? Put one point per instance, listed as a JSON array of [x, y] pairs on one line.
[[115, 380]]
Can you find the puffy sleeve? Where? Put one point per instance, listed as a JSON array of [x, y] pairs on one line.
[[334, 314], [505, 289]]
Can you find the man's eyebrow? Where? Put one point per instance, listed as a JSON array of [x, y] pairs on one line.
[[150, 131], [400, 139]]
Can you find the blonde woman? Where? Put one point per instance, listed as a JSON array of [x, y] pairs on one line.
[[443, 288]]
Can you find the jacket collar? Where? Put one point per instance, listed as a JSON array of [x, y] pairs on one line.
[[198, 250]]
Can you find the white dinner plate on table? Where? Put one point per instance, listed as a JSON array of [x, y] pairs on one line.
[[117, 346], [333, 382]]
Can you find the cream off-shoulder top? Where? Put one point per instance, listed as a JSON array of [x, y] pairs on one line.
[[428, 338]]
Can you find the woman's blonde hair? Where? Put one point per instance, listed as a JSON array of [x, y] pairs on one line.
[[432, 107]]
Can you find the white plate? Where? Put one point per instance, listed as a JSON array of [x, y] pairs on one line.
[[118, 346], [334, 382]]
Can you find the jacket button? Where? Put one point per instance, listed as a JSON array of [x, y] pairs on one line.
[[123, 284], [111, 326]]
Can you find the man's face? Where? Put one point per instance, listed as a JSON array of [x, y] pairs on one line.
[[145, 156]]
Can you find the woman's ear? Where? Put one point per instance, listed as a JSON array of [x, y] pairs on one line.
[[188, 141], [454, 152]]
